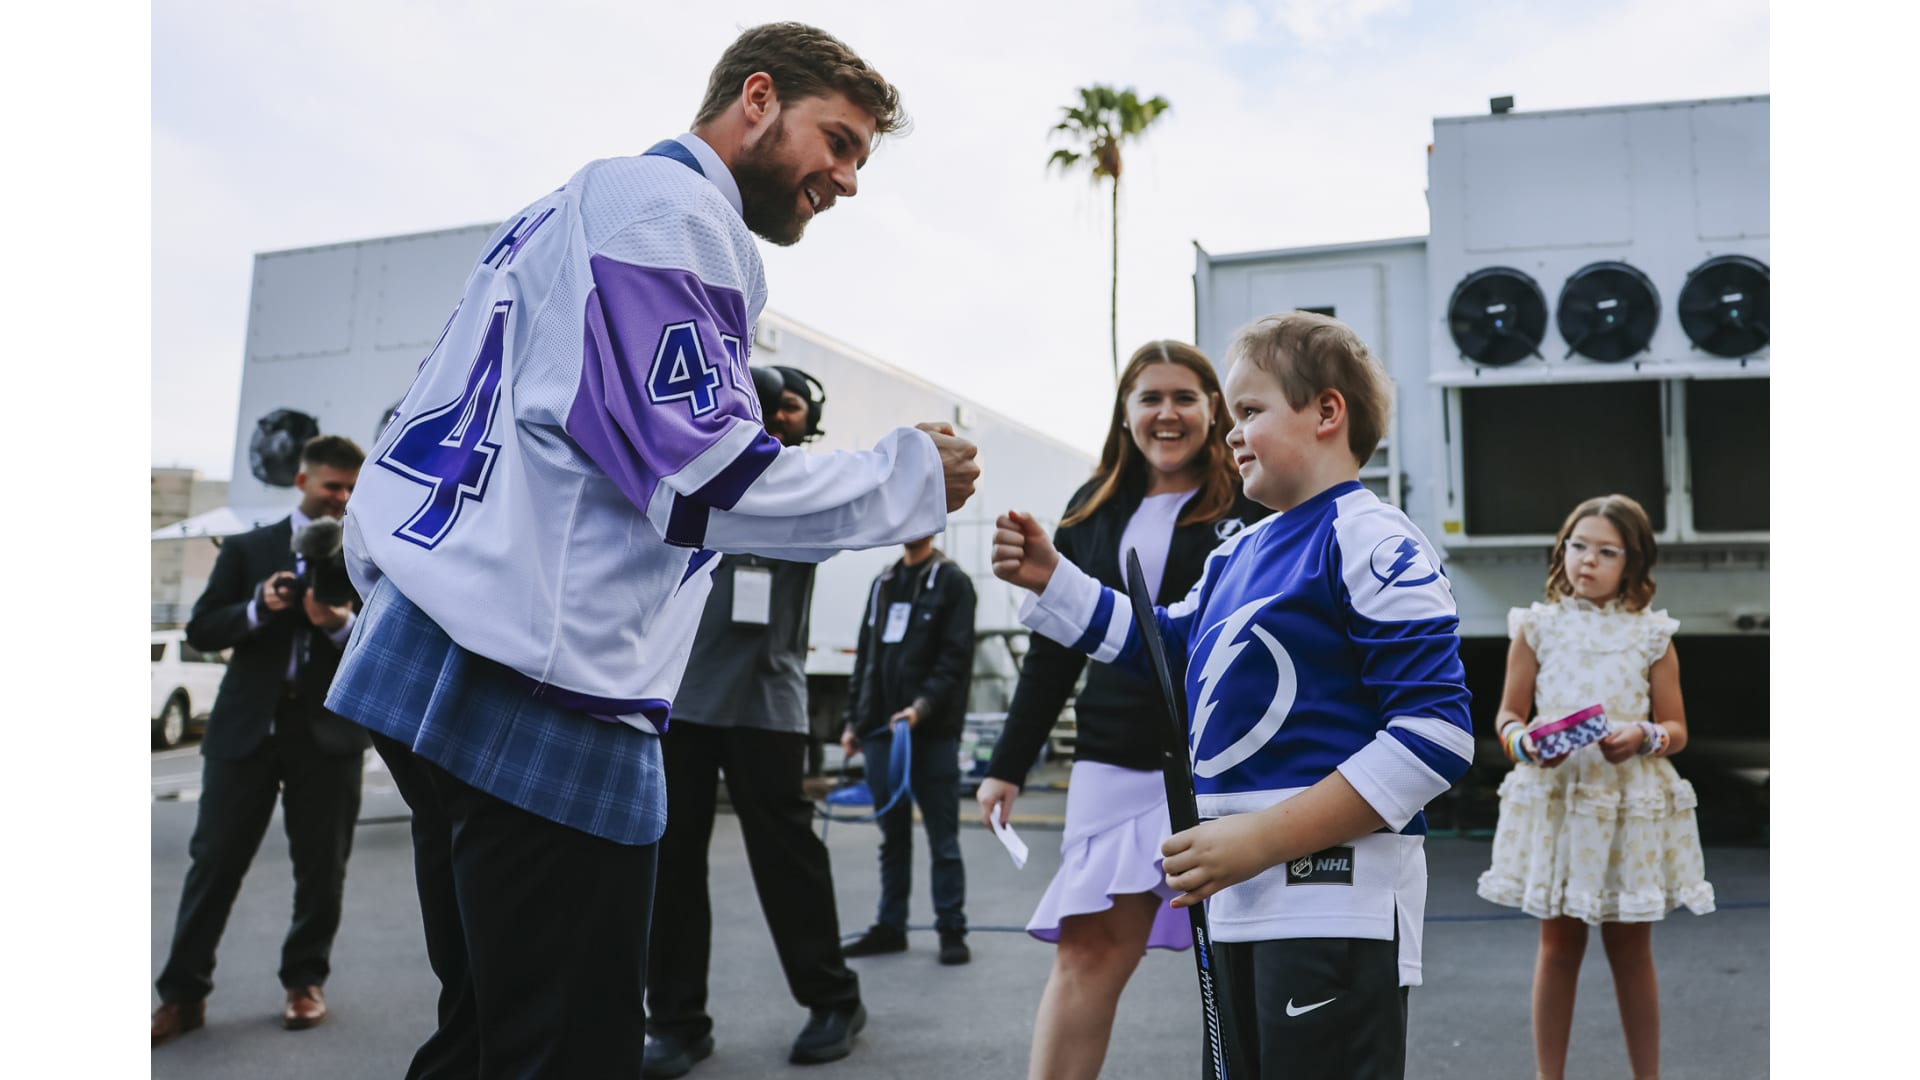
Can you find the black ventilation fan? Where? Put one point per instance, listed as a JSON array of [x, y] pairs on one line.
[[1723, 306], [1608, 311], [1497, 316], [274, 451]]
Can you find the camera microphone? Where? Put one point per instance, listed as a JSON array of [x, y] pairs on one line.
[[319, 544], [319, 539]]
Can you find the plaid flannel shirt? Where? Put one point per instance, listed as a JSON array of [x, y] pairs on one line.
[[403, 677]]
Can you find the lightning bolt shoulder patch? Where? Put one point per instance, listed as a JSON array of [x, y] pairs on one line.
[[1389, 568]]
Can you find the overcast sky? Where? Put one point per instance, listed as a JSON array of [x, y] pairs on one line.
[[962, 259]]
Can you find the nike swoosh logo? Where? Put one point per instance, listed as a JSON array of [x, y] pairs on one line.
[[1305, 1009]]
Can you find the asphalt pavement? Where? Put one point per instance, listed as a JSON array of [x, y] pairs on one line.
[[928, 1021]]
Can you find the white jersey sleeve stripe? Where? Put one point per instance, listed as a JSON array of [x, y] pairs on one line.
[[717, 460], [1447, 736], [1118, 626], [1392, 780], [1066, 609]]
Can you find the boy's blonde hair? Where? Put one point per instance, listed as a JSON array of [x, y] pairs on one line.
[[1307, 353]]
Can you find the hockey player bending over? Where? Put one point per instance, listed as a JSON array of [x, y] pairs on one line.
[[535, 532], [1328, 705]]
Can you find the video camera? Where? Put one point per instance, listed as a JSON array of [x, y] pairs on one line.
[[319, 544]]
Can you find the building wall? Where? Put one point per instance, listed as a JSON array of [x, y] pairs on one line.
[[180, 568]]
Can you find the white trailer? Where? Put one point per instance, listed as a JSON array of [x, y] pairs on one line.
[[337, 332], [1582, 319]]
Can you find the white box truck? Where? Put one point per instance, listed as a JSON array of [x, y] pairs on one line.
[[336, 332], [1588, 314]]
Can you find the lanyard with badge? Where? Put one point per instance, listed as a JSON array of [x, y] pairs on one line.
[[900, 612], [752, 595]]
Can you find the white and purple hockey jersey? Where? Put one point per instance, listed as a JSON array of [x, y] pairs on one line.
[[586, 435], [1321, 639]]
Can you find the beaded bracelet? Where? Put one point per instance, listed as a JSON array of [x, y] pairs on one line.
[[1512, 741], [1656, 738]]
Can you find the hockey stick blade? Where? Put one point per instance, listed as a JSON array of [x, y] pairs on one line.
[[1222, 1060]]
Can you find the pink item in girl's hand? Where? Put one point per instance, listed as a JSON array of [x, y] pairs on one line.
[[1568, 734]]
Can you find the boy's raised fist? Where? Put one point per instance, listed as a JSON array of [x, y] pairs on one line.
[[1022, 554]]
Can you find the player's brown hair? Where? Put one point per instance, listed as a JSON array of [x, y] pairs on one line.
[[1636, 534], [804, 62], [1307, 353], [333, 451], [1121, 461]]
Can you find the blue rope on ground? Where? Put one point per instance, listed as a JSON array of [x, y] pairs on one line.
[[1746, 905]]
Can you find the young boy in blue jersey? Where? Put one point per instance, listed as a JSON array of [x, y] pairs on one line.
[[1327, 706]]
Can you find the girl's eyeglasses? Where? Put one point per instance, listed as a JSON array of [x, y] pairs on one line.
[[1606, 553]]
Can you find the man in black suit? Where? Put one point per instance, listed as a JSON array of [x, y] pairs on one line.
[[269, 735]]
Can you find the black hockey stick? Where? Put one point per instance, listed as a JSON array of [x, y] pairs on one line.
[[1222, 1049]]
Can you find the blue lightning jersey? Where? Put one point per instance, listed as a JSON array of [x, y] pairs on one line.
[[1321, 639]]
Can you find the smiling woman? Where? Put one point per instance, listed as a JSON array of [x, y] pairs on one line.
[[1165, 419], [1166, 489]]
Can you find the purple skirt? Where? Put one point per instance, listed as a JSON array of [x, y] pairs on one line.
[[1116, 821]]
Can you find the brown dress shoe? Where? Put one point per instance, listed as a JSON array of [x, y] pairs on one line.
[[176, 1018], [305, 1008]]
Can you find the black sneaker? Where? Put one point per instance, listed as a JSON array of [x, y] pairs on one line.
[[877, 940], [828, 1035], [953, 947], [668, 1056]]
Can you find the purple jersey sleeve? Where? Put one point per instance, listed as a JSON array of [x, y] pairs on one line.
[[665, 395]]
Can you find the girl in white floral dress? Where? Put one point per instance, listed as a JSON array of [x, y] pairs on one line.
[[1604, 836]]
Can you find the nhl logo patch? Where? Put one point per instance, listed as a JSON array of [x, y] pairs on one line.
[[1334, 866]]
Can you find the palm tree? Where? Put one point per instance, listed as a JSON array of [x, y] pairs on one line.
[[1103, 120]]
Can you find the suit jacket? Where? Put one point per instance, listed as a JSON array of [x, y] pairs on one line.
[[257, 673]]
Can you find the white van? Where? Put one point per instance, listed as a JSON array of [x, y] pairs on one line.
[[185, 681]]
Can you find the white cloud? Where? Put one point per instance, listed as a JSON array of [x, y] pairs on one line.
[[1239, 22], [1322, 23]]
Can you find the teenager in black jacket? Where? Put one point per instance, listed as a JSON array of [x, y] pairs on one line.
[[914, 666], [1166, 487]]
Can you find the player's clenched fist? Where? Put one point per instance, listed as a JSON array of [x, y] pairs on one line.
[[956, 460], [1022, 554]]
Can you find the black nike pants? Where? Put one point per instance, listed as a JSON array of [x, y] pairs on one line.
[[791, 872], [1317, 1008]]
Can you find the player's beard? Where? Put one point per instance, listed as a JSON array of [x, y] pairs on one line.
[[769, 197]]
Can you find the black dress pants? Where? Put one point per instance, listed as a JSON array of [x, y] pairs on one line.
[[537, 931], [791, 872], [321, 796]]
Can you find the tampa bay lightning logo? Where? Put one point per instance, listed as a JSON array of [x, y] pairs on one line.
[[1401, 562], [1228, 527], [1226, 648]]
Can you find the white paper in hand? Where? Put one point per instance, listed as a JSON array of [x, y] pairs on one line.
[[1014, 845]]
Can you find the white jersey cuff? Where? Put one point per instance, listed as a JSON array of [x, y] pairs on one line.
[[1393, 781], [1065, 611]]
